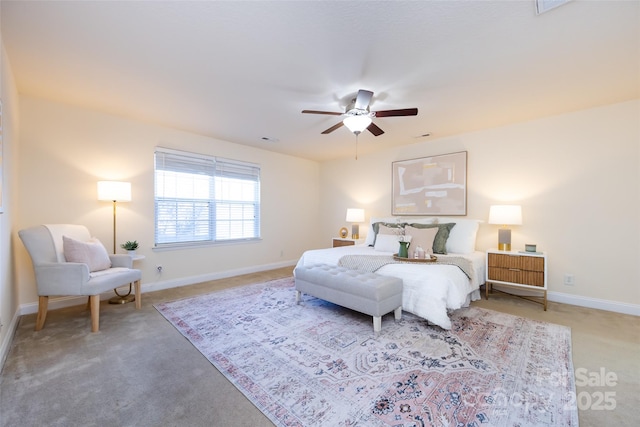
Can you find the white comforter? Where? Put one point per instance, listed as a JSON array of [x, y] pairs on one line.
[[429, 289]]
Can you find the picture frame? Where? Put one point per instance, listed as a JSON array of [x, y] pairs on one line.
[[435, 185]]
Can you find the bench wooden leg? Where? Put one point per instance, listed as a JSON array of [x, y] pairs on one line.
[[377, 323], [398, 313]]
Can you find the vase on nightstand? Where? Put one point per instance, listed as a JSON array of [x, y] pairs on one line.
[[403, 252]]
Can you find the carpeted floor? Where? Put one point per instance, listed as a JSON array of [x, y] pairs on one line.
[[319, 364], [139, 371]]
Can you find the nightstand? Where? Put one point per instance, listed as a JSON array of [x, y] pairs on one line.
[[522, 270], [339, 241]]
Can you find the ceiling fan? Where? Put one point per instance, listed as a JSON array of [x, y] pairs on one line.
[[359, 117]]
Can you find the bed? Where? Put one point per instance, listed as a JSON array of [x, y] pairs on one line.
[[430, 290]]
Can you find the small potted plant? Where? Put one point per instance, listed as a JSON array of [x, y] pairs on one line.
[[130, 246]]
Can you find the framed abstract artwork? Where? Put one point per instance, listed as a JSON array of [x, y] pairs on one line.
[[434, 185]]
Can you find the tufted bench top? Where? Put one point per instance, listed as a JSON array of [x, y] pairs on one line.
[[366, 292], [362, 283]]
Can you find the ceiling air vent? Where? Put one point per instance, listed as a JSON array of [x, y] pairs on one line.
[[543, 6]]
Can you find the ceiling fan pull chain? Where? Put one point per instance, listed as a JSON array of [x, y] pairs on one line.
[[357, 145]]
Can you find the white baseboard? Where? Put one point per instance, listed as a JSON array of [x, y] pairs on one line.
[[191, 280], [58, 302], [8, 337], [599, 304], [69, 301]]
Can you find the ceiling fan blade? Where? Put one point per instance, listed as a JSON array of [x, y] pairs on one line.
[[332, 128], [401, 112], [375, 130], [363, 99], [331, 113]]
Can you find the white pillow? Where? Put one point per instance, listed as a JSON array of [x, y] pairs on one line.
[[462, 237], [92, 253], [387, 243]]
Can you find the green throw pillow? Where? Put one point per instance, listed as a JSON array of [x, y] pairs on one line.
[[440, 241]]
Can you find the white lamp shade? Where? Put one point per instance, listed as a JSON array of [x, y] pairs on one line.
[[114, 191], [505, 214], [357, 123], [355, 215]]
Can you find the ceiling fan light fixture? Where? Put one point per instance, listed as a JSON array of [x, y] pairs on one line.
[[358, 116], [357, 123]]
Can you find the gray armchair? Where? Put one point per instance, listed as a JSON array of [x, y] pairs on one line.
[[56, 276]]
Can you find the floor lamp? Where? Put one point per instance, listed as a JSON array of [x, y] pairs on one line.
[[116, 191]]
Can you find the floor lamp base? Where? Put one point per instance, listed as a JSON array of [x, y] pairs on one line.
[[122, 299]]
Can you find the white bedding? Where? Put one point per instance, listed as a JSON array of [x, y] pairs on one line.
[[429, 289]]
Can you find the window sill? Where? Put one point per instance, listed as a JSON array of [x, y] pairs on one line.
[[196, 245]]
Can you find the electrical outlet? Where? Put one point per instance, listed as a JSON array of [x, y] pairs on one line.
[[569, 280], [159, 268]]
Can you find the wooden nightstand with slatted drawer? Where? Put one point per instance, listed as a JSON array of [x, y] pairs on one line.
[[518, 270], [337, 242]]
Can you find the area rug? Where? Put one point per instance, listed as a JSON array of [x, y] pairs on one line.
[[318, 364]]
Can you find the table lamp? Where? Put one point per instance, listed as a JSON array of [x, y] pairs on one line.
[[505, 215], [355, 216]]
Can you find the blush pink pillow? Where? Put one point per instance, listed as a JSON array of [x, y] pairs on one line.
[[422, 237], [92, 253]]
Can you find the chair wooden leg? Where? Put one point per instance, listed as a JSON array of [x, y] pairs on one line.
[[95, 312], [138, 294], [43, 302]]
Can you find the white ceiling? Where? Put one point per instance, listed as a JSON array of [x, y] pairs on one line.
[[241, 71]]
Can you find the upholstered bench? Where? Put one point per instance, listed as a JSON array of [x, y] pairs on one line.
[[368, 293]]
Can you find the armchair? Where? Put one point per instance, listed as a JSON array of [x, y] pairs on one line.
[[55, 276]]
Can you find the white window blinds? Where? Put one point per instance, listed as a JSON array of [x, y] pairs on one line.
[[203, 199]]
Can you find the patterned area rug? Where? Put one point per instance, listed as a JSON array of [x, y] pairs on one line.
[[318, 364]]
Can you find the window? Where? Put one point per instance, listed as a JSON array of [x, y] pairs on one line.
[[204, 199]]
